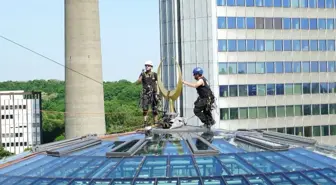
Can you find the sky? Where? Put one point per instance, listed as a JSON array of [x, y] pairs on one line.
[[129, 36]]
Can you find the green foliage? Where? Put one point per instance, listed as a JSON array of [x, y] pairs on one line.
[[121, 105], [4, 153]]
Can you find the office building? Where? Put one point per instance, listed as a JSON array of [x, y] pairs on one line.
[[270, 63], [21, 125]]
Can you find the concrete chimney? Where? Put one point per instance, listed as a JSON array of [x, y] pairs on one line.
[[84, 94]]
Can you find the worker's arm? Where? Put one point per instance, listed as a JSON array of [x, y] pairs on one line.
[[194, 85], [140, 78]]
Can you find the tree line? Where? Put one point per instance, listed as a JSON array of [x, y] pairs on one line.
[[121, 105]]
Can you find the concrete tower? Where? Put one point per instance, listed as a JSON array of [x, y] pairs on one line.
[[84, 95]]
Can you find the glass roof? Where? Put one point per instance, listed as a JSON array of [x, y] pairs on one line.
[[170, 159]]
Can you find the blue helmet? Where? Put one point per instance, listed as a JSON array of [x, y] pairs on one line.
[[198, 71]]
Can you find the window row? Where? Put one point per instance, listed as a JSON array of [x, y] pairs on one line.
[[275, 23], [279, 3], [276, 111], [243, 45], [275, 67], [276, 89], [307, 131]]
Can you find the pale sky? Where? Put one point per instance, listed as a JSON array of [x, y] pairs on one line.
[[129, 34]]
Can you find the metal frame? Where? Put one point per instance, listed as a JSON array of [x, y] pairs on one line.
[[73, 148], [286, 138], [129, 152], [194, 149], [259, 144]]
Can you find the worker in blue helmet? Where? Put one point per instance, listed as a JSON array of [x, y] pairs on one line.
[[205, 99]]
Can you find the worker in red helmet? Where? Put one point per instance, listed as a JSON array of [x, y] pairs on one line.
[[205, 100]]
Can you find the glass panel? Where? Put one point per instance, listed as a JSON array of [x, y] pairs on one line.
[[329, 173], [232, 68], [160, 147], [223, 91], [88, 169], [225, 147], [80, 182], [235, 165], [271, 112], [279, 179], [299, 131], [260, 67], [251, 68], [242, 90], [308, 131], [252, 90], [121, 182], [154, 167], [213, 181], [61, 182], [332, 130], [224, 113], [210, 166], [235, 180], [261, 89], [190, 181], [319, 179], [283, 161], [233, 90], [280, 111], [253, 112], [126, 168], [303, 159], [260, 163], [262, 112], [167, 182], [299, 179], [307, 110], [298, 110], [242, 68], [289, 89], [316, 131], [256, 179], [182, 166], [297, 67], [233, 113], [289, 110], [298, 89], [325, 130], [100, 182], [316, 109], [243, 113], [144, 182], [222, 68], [270, 89], [318, 157]]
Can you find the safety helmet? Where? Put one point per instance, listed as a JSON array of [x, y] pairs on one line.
[[148, 62], [198, 71]]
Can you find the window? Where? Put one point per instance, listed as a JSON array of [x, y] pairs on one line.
[[252, 90], [330, 24], [329, 4], [281, 111], [249, 3], [251, 68], [242, 90], [323, 66], [231, 2], [315, 88], [313, 45], [242, 68], [233, 113], [232, 68], [322, 23], [324, 109], [223, 91], [231, 22], [270, 67], [298, 88], [278, 46], [253, 112], [269, 45], [261, 89], [323, 88], [330, 45], [260, 45], [297, 67], [316, 131], [298, 110], [240, 2], [332, 108], [313, 24], [290, 110], [306, 67], [316, 109], [268, 23], [277, 22], [270, 89], [288, 67], [332, 130], [286, 23], [332, 87], [260, 67], [250, 45], [250, 22], [240, 22], [241, 45], [305, 45], [243, 113], [232, 45], [259, 3], [295, 3], [296, 45], [221, 22], [224, 113], [299, 131], [233, 90], [262, 112], [306, 110], [331, 66], [290, 130], [286, 3], [322, 44], [306, 88], [289, 89], [325, 130], [271, 112], [279, 89], [279, 67], [295, 23], [314, 66], [222, 68], [305, 23], [222, 45], [287, 45], [308, 131], [220, 2]]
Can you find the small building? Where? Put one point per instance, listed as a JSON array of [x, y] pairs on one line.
[[21, 120]]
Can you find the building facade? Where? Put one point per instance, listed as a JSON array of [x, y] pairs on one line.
[[271, 63], [21, 125]]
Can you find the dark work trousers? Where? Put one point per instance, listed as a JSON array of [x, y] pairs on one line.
[[202, 111]]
